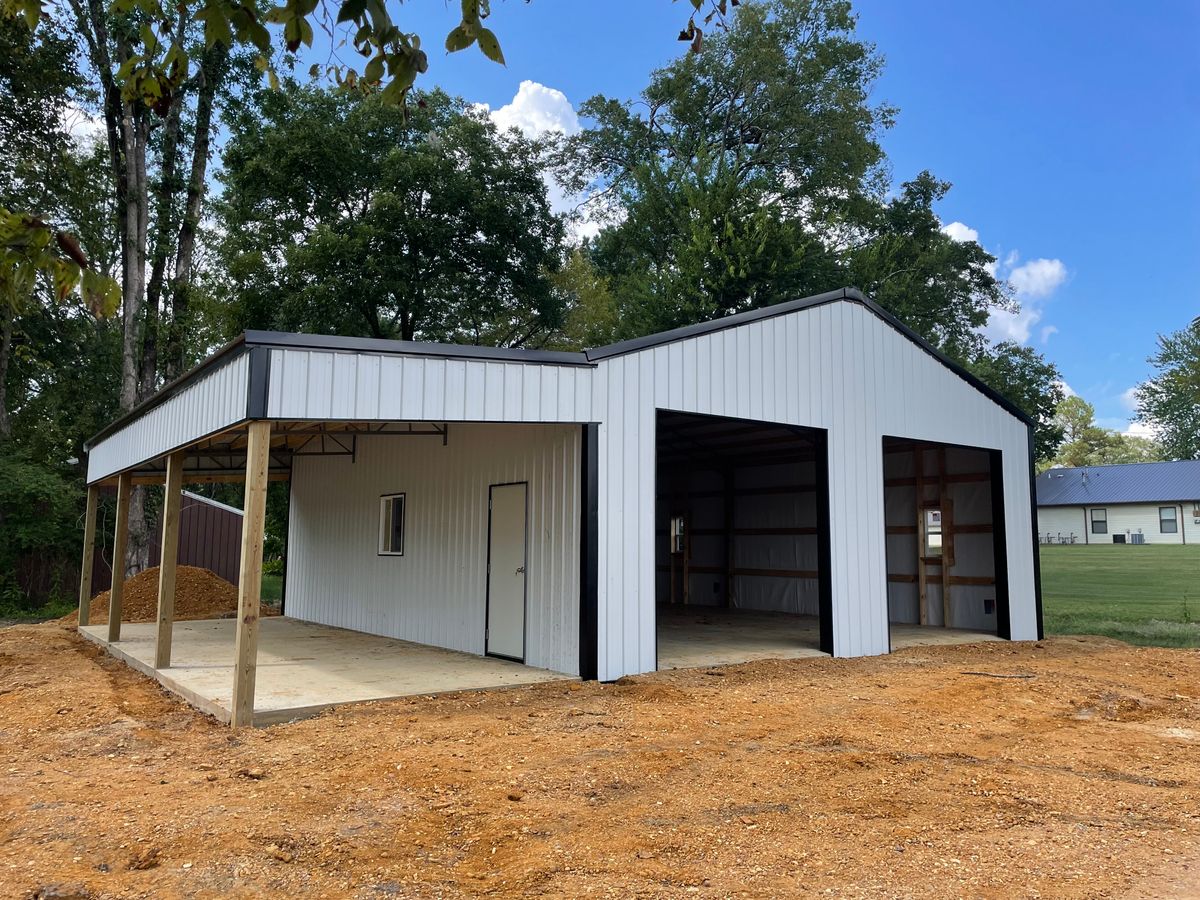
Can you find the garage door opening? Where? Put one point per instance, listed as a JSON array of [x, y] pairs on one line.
[[742, 541], [946, 556]]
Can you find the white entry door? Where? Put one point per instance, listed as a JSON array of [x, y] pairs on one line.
[[505, 634]]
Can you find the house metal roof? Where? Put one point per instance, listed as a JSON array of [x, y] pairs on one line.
[[1157, 482]]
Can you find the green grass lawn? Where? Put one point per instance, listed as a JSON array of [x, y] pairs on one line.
[[1146, 594], [272, 589]]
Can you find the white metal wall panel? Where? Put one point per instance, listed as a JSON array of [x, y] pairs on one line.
[[435, 593], [210, 404], [838, 367], [1063, 521], [1123, 518], [347, 385]]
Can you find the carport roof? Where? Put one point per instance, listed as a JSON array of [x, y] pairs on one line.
[[585, 358]]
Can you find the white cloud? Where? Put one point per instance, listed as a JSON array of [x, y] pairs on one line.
[[535, 110], [1067, 390], [1140, 429], [961, 233], [1129, 398], [1038, 278], [1032, 283]]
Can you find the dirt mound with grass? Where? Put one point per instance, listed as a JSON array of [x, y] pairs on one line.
[[199, 594]]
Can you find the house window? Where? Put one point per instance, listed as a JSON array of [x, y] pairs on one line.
[[933, 532], [391, 525], [1099, 521], [1167, 521], [678, 527]]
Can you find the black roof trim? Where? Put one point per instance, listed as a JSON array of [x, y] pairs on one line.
[[851, 294], [287, 341]]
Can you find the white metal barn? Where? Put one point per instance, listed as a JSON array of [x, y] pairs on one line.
[[807, 478]]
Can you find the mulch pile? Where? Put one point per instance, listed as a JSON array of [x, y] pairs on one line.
[[199, 594]]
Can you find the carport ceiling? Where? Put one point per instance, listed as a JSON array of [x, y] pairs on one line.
[[710, 440]]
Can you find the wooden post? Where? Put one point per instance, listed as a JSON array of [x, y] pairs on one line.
[[116, 590], [172, 502], [250, 578], [89, 555]]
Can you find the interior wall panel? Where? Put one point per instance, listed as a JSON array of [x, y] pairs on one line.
[[435, 593]]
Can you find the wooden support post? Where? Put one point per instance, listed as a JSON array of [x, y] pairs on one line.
[[116, 590], [89, 555], [250, 577], [172, 502]]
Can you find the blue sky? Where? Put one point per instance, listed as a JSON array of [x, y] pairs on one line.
[[1071, 132]]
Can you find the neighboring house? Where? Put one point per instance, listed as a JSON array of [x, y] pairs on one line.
[[1151, 503], [815, 460]]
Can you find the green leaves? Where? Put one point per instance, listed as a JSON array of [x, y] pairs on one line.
[[490, 46], [29, 246]]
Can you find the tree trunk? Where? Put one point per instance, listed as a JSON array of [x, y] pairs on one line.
[[164, 190], [6, 330], [212, 71]]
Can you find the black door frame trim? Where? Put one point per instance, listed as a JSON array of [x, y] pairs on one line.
[[589, 552]]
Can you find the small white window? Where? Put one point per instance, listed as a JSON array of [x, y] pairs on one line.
[[391, 525]]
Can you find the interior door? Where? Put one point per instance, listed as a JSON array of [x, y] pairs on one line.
[[505, 635]]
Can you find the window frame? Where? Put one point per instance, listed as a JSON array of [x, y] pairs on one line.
[[386, 523], [1174, 520], [1102, 522]]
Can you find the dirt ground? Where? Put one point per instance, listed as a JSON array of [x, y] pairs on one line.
[[905, 776], [199, 594]]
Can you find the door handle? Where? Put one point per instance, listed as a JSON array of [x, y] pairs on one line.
[[520, 570]]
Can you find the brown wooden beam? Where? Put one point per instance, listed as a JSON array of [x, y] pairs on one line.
[[250, 576], [977, 580], [116, 590], [168, 557], [89, 555]]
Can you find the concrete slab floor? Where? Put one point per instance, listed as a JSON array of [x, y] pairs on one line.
[[709, 636], [304, 668]]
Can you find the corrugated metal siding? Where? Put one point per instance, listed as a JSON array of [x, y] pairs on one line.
[[435, 593], [317, 384], [1123, 518], [210, 537], [1063, 521], [837, 367], [210, 404]]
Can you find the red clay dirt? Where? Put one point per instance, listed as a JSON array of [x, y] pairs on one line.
[[199, 594], [915, 775]]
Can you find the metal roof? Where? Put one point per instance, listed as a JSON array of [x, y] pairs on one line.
[[1156, 482], [587, 358]]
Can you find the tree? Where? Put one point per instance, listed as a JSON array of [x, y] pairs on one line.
[[1033, 384], [735, 166], [44, 167], [1087, 444], [344, 215], [1170, 400], [941, 288]]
